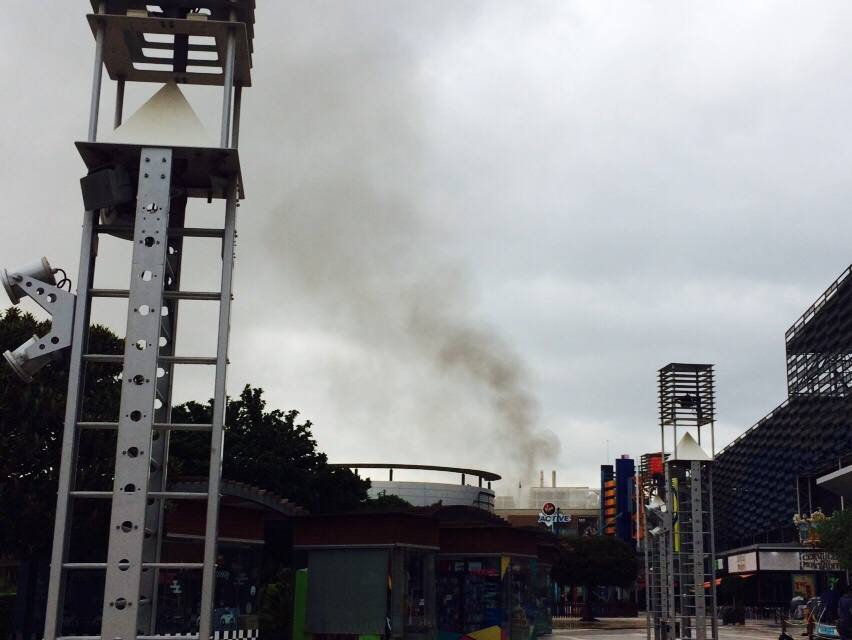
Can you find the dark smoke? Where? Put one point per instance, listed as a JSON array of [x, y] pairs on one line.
[[359, 246]]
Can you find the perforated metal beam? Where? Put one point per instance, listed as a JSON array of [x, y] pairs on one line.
[[122, 591]]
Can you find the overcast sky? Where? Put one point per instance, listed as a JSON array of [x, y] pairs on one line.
[[474, 231]]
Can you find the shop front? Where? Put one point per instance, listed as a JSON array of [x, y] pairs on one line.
[[368, 576], [489, 583], [769, 575], [436, 574], [244, 516]]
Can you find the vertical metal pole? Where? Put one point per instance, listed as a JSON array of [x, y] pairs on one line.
[[714, 623], [208, 580], [68, 460], [238, 105], [713, 439], [798, 498], [669, 611], [228, 88], [158, 478], [119, 103], [697, 530], [97, 76], [641, 526], [123, 586]]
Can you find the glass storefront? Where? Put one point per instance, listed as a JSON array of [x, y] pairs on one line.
[[475, 593], [237, 587], [470, 594], [418, 601]]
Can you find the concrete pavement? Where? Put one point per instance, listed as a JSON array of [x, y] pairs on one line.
[[756, 630]]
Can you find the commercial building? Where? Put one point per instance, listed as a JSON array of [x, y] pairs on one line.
[[437, 572], [783, 465], [576, 510], [618, 500], [457, 485]]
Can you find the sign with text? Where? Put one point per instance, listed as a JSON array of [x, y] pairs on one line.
[[819, 561], [550, 515], [742, 562]]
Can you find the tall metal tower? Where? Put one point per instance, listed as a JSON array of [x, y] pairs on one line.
[[137, 189], [680, 558]]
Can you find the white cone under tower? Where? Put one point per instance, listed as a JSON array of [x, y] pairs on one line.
[[689, 449], [165, 119]]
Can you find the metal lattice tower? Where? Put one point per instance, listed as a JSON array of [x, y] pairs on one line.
[[137, 189], [679, 543]]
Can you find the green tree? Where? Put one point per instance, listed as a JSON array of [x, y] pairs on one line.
[[385, 501], [594, 561], [270, 449], [835, 535], [31, 426]]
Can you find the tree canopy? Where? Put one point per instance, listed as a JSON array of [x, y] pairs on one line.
[[595, 561], [31, 425], [835, 535], [269, 449]]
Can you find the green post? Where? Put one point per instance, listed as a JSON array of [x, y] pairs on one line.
[[300, 605]]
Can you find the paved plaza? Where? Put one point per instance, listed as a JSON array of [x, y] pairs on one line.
[[756, 631]]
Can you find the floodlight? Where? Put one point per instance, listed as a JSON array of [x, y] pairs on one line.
[[37, 281], [15, 281], [24, 364], [656, 505]]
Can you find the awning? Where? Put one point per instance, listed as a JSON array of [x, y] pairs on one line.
[[838, 482]]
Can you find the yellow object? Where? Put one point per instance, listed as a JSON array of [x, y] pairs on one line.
[[488, 633], [675, 509]]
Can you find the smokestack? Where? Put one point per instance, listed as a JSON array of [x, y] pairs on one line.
[[553, 477], [541, 478]]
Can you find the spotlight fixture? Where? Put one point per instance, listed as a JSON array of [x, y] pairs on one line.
[[37, 280], [40, 270], [656, 505]]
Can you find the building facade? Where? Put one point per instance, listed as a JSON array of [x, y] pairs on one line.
[[462, 487], [575, 510], [769, 474]]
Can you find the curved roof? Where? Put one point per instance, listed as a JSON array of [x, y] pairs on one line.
[[243, 492], [485, 475]]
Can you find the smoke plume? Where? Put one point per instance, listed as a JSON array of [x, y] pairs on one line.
[[362, 245]]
